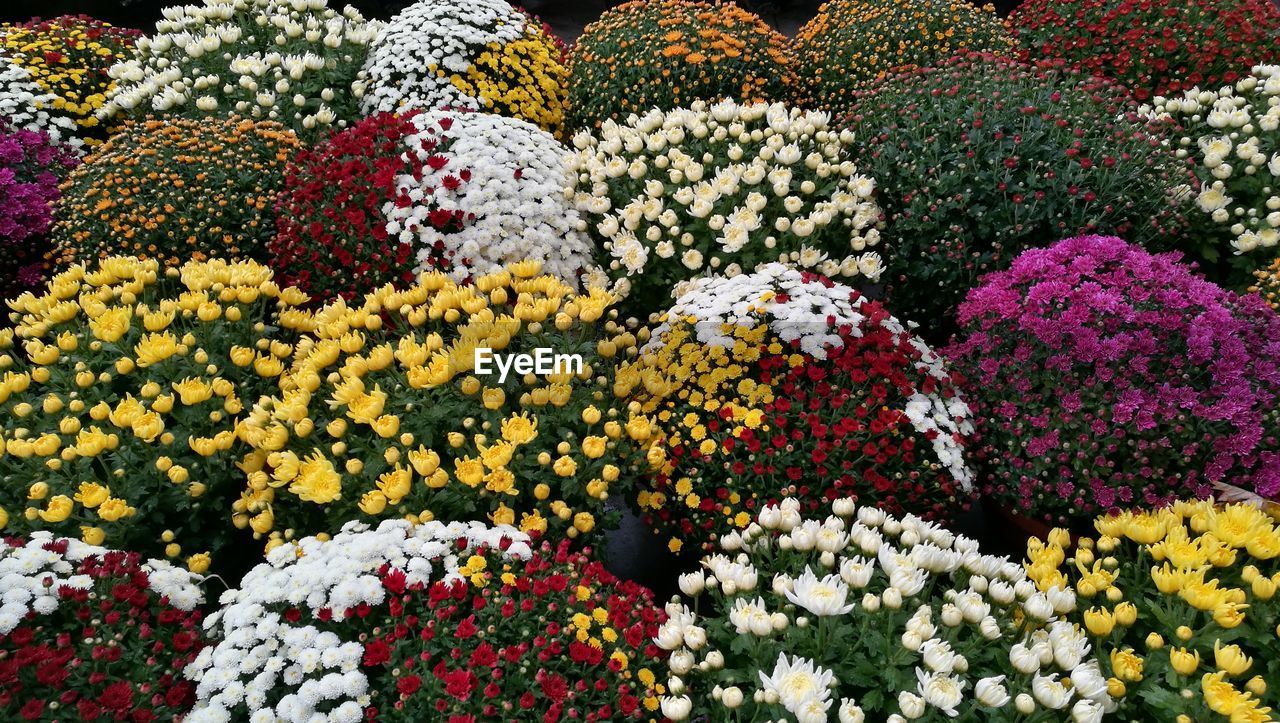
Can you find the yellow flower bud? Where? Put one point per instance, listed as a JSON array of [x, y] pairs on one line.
[[38, 491], [1230, 659], [198, 563], [1125, 613], [172, 549], [92, 535], [1155, 641], [1184, 662], [1099, 621]]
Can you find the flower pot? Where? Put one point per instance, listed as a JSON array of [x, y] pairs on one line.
[[1014, 528]]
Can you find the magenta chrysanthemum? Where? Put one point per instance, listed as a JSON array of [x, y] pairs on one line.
[[1105, 376]]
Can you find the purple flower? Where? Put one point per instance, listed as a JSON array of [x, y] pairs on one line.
[[31, 165], [1098, 366]]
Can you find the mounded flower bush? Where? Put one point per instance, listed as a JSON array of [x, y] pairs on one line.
[[1157, 46], [1180, 606], [93, 634], [175, 190], [31, 164], [1234, 136], [431, 622], [666, 54], [859, 615], [982, 157], [781, 383], [850, 44], [1104, 377], [25, 105], [69, 58], [297, 62], [122, 391], [373, 422], [460, 192], [481, 55], [722, 189]]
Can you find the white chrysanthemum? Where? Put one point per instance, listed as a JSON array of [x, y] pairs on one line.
[[233, 676], [410, 63], [724, 184], [290, 61], [947, 661], [797, 681], [822, 597], [503, 181], [1231, 134], [24, 104]]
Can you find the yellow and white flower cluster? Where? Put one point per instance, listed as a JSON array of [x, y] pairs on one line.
[[723, 188], [1233, 134], [875, 617], [480, 55], [24, 104]]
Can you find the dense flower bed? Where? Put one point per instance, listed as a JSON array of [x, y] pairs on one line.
[[31, 165], [403, 423], [175, 190], [1154, 46], [722, 188], [296, 62], [981, 157], [879, 618], [480, 55], [1104, 377], [666, 54], [460, 192], [69, 58], [784, 383], [1180, 606], [24, 104], [92, 634], [122, 392], [1234, 136], [850, 44], [430, 622]]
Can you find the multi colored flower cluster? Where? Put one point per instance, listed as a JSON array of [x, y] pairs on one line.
[[1267, 284], [25, 105], [1234, 135], [1104, 377], [121, 395], [442, 622], [460, 192], [69, 57], [296, 62], [878, 618], [175, 190], [665, 54], [850, 44], [1154, 46], [31, 164], [482, 55], [981, 157], [722, 188], [91, 634], [1181, 607], [783, 383], [420, 422]]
